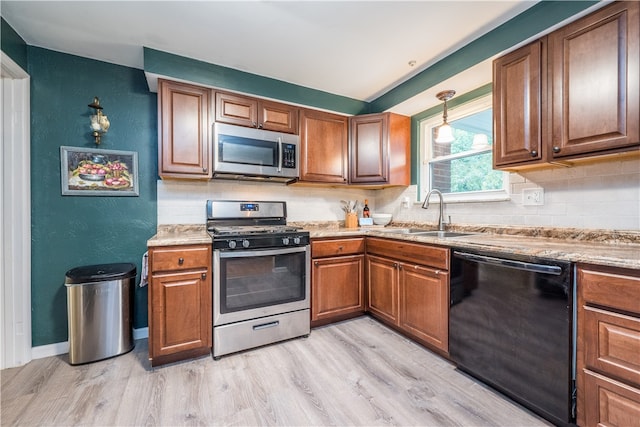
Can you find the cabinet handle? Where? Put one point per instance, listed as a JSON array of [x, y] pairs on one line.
[[556, 149], [395, 265], [260, 126], [180, 261], [437, 272], [204, 276], [340, 248], [204, 170], [534, 153], [399, 266], [255, 125], [315, 263]]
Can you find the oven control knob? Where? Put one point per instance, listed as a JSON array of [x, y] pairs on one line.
[[285, 241], [232, 244], [245, 243], [296, 240]]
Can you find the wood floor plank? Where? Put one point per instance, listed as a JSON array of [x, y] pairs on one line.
[[354, 373]]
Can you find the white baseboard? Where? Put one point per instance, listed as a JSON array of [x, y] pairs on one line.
[[58, 348]]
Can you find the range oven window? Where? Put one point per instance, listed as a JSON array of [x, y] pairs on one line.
[[261, 280]]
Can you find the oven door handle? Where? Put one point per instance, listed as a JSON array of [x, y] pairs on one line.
[[260, 252], [509, 263]]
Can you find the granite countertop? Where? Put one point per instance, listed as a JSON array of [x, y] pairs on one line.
[[190, 234], [615, 249], [608, 248]]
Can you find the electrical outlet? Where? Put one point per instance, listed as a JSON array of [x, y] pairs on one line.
[[405, 202], [533, 197]]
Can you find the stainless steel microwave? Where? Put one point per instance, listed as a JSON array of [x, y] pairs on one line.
[[255, 154]]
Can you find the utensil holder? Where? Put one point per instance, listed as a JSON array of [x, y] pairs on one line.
[[351, 220]]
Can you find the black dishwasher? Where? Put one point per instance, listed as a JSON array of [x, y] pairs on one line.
[[511, 326]]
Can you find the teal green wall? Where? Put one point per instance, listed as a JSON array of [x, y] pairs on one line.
[[12, 44], [169, 65], [71, 231]]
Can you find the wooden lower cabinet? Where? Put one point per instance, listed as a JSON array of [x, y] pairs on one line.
[[408, 295], [180, 316], [424, 304], [337, 280], [608, 347], [382, 288]]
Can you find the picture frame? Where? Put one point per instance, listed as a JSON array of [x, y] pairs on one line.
[[98, 172]]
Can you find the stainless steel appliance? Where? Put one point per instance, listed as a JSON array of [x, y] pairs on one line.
[[261, 280], [511, 326], [255, 154]]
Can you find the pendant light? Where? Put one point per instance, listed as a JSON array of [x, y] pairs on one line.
[[445, 132]]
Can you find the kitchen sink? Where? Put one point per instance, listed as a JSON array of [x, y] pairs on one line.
[[436, 233], [432, 233]]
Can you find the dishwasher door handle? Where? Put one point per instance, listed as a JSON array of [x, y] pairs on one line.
[[509, 263]]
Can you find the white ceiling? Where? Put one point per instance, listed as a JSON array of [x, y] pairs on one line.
[[358, 49]]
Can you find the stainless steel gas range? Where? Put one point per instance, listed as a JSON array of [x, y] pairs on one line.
[[261, 280]]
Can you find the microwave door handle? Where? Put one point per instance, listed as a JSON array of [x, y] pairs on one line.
[[279, 154]]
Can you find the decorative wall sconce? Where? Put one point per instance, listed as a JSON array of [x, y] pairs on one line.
[[445, 132], [99, 122]]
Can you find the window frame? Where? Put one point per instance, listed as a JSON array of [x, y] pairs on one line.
[[425, 131]]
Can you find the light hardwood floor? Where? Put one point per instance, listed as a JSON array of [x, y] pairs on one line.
[[356, 372]]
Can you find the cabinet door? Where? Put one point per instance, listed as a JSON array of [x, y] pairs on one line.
[[337, 287], [278, 117], [185, 145], [324, 147], [181, 312], [236, 110], [517, 106], [610, 403], [382, 288], [369, 162], [424, 304], [595, 85]]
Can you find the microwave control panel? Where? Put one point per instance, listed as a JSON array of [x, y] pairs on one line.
[[289, 156]]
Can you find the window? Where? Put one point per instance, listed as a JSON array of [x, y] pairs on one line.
[[462, 170]]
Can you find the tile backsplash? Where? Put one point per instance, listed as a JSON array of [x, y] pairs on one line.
[[604, 195]]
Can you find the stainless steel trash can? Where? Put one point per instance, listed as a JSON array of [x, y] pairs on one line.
[[100, 311]]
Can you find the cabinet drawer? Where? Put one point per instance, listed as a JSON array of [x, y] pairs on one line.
[[337, 247], [610, 403], [612, 344], [179, 258], [609, 289], [410, 252]]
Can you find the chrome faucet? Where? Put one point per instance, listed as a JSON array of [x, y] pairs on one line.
[[425, 205]]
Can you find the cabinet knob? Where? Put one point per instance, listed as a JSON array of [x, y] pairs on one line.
[[204, 170], [395, 265], [180, 261], [315, 263], [260, 126], [556, 149], [204, 276], [340, 248], [534, 153], [255, 125]]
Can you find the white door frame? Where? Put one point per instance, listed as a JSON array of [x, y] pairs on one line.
[[15, 213]]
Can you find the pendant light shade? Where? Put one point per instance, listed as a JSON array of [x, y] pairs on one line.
[[445, 131]]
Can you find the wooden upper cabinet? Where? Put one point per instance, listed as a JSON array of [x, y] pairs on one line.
[[573, 94], [257, 113], [595, 85], [324, 139], [183, 122], [517, 105], [380, 149]]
